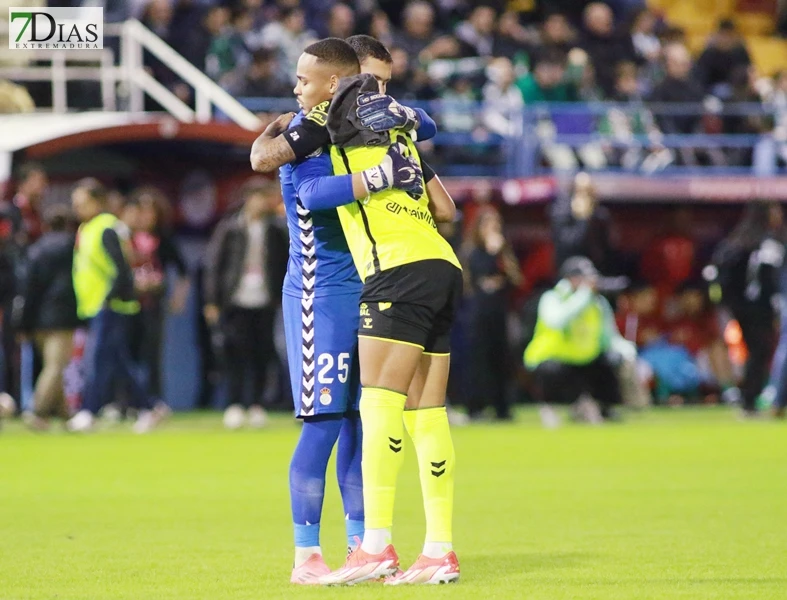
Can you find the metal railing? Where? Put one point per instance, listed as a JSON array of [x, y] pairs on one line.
[[124, 86], [541, 132]]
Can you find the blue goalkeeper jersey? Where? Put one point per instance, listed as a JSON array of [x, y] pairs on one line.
[[320, 263]]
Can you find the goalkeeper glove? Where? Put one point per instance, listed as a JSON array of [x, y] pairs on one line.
[[380, 112], [395, 171]]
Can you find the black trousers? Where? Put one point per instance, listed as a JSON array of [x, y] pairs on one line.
[[758, 335], [148, 343], [249, 350], [560, 383], [488, 364]]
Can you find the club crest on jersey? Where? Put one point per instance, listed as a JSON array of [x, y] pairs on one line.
[[325, 396], [364, 310]]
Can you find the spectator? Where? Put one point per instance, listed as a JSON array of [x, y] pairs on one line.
[[746, 263], [511, 39], [153, 252], [696, 328], [262, 78], [20, 224], [157, 16], [556, 33], [459, 113], [381, 29], [580, 227], [669, 260], [502, 99], [639, 316], [289, 37], [341, 21], [477, 33], [546, 83], [244, 271], [576, 348], [407, 83], [679, 86], [104, 287], [49, 316], [27, 203], [626, 124], [228, 52], [603, 45], [647, 46], [725, 51], [743, 88], [419, 37], [492, 271]]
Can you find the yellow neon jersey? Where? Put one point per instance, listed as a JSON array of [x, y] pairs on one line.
[[390, 228]]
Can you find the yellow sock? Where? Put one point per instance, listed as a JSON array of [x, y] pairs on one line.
[[383, 453], [431, 437]]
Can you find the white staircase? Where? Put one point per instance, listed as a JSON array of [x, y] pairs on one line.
[[124, 85]]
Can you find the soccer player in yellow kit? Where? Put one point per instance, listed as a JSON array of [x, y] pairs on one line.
[[412, 287]]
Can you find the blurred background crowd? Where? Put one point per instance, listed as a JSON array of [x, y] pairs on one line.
[[672, 67], [682, 302], [680, 321]]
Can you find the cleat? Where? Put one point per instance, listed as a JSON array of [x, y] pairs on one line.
[[310, 572], [429, 571], [80, 422], [362, 566]]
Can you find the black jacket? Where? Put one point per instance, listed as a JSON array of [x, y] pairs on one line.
[[48, 289], [715, 65], [224, 260], [679, 90], [748, 276], [582, 237], [605, 54]]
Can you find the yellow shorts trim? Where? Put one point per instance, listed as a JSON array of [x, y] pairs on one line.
[[374, 337], [437, 353]]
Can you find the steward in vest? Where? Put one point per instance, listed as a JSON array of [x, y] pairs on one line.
[[104, 287], [576, 348]]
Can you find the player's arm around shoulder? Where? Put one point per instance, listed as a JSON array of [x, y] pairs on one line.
[[280, 144], [271, 150], [441, 204], [316, 185]]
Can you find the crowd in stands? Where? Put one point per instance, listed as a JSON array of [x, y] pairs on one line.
[[693, 340], [506, 55]]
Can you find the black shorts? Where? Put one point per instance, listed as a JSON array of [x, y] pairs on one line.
[[414, 304]]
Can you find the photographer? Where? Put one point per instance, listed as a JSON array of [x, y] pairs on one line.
[[576, 348]]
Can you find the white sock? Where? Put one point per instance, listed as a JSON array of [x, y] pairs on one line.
[[437, 549], [302, 554], [376, 540]]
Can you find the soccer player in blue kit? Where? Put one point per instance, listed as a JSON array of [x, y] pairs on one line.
[[320, 304]]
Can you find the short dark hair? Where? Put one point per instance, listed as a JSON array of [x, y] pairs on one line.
[[335, 51], [365, 46], [94, 188], [27, 169], [727, 25], [551, 56], [58, 217], [286, 13], [263, 55]]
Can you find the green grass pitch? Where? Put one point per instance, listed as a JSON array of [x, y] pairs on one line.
[[672, 504]]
